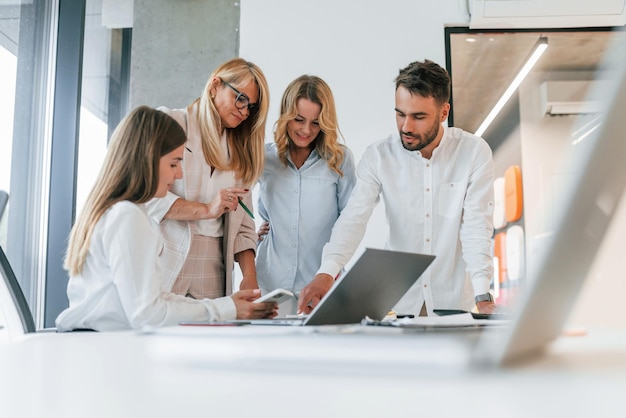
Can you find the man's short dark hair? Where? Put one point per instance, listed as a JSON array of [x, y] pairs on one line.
[[427, 78]]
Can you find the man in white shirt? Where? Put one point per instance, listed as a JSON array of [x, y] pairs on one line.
[[437, 185]]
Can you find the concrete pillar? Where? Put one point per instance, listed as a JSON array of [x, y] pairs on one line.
[[175, 47]]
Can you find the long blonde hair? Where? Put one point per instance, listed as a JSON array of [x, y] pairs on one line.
[[246, 141], [327, 143], [130, 172]]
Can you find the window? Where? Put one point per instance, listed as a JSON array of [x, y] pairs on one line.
[[26, 63], [54, 125]]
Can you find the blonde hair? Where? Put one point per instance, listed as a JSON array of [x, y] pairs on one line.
[[130, 172], [246, 141], [316, 90]]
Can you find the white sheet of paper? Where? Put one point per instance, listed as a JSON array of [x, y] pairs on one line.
[[460, 320]]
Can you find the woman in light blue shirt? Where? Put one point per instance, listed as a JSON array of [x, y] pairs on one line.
[[307, 180]]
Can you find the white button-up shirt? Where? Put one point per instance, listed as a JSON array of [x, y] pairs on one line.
[[441, 206], [121, 287]]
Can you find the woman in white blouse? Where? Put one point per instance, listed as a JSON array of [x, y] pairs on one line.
[[115, 279]]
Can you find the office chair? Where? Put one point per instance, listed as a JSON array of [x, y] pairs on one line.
[[15, 315], [4, 198]]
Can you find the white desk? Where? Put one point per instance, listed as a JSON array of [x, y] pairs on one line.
[[270, 373]]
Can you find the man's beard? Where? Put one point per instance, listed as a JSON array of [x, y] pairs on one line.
[[424, 140]]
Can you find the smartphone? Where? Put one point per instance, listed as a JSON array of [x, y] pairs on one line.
[[234, 323], [495, 315], [445, 312], [276, 295]]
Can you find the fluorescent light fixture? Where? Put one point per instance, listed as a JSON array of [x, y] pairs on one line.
[[540, 48]]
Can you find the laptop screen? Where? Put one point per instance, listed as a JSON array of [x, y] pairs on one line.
[[373, 285]]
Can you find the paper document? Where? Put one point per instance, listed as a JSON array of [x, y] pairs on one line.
[[460, 320]]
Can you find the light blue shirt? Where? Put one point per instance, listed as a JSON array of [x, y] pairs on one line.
[[301, 206]]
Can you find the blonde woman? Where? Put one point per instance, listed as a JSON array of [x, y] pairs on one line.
[[205, 227], [307, 180], [115, 281]]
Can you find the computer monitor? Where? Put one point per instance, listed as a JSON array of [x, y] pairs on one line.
[[583, 213]]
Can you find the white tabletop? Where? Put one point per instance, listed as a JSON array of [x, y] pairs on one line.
[[301, 372]]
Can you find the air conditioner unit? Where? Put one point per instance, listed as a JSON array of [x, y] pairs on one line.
[[517, 14], [569, 97]]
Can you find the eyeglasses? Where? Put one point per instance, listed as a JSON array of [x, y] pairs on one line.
[[242, 100]]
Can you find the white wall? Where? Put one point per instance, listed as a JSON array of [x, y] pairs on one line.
[[357, 47], [543, 140]]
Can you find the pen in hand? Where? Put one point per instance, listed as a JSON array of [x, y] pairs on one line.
[[245, 208]]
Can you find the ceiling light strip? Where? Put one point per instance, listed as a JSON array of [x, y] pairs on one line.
[[540, 48]]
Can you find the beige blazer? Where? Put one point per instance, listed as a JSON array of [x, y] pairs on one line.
[[239, 228]]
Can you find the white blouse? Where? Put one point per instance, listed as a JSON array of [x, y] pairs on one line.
[[203, 186], [121, 287]]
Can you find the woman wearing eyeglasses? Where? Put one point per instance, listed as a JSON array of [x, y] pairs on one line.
[[203, 224], [307, 180]]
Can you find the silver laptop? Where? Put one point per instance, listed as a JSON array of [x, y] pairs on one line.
[[370, 288], [597, 180], [373, 285]]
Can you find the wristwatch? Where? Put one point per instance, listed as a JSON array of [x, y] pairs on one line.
[[485, 297]]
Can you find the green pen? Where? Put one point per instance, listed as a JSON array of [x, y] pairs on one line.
[[245, 208]]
